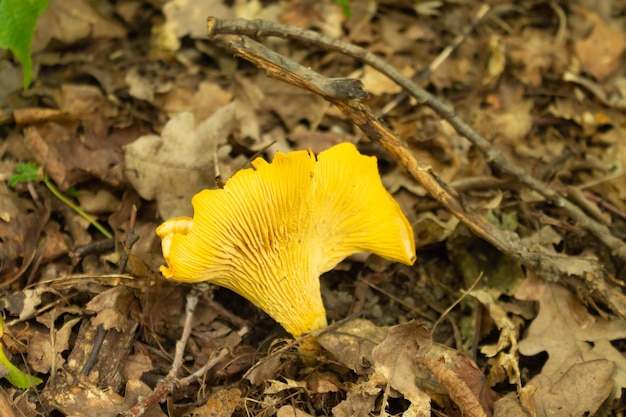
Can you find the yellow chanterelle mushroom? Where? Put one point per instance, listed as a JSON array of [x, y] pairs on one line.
[[273, 230]]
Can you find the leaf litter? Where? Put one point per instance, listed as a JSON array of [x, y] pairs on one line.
[[133, 107]]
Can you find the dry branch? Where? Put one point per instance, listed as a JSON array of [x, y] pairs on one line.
[[344, 95], [259, 28]]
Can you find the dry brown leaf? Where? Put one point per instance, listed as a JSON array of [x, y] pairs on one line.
[[360, 401], [291, 104], [111, 308], [188, 17], [352, 343], [140, 87], [291, 411], [221, 404], [601, 53], [173, 167], [325, 16], [53, 243], [534, 54], [43, 344], [513, 120], [99, 201], [318, 141], [579, 392], [509, 406], [376, 83], [136, 365], [323, 382], [359, 343], [20, 229], [278, 386], [70, 21], [23, 303], [264, 370], [429, 229], [497, 60], [506, 349], [10, 80], [61, 151], [394, 359], [569, 333]]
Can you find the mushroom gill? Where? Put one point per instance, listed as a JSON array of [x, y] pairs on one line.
[[272, 231]]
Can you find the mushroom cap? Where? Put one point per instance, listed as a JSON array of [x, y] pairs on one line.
[[272, 231]]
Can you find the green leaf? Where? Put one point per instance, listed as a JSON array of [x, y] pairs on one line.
[[18, 21], [25, 172], [15, 376], [345, 7]]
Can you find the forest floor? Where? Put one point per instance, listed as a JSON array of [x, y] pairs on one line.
[[510, 167]]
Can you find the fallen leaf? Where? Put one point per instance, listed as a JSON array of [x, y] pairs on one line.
[[19, 235], [509, 406], [275, 386], [66, 159], [111, 308], [70, 21], [13, 374], [360, 401], [377, 83], [601, 53], [98, 202], [352, 343], [188, 17], [291, 411], [24, 303], [136, 365], [536, 53], [394, 359], [264, 370], [579, 392], [44, 343], [291, 104], [325, 16], [569, 333], [139, 87], [222, 403], [506, 349], [10, 80], [430, 229], [173, 167]]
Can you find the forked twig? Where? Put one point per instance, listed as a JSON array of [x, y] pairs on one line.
[[259, 28], [165, 386], [344, 93]]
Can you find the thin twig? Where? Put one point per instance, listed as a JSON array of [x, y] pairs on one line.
[[130, 240], [192, 301], [167, 384], [259, 28], [458, 300]]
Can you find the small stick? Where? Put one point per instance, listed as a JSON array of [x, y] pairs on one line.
[[258, 28], [167, 384], [130, 240], [192, 301]]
